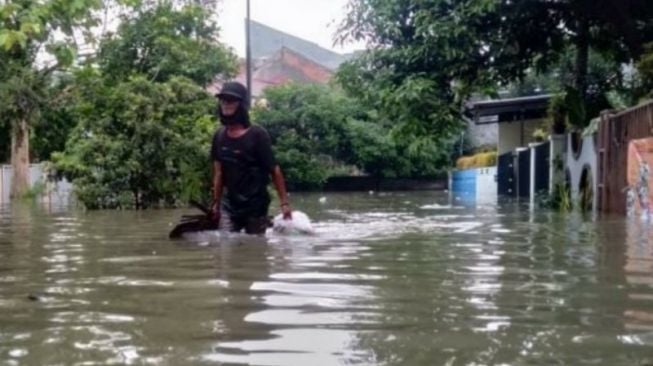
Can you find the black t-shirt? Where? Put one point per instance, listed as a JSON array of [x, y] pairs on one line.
[[247, 162]]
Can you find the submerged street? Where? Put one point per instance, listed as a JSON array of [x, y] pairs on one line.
[[389, 279]]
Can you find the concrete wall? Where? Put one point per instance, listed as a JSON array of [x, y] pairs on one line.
[[58, 193], [5, 183], [486, 186], [588, 157], [517, 134], [474, 186], [463, 186], [6, 175]]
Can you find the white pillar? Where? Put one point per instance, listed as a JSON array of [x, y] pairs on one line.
[[531, 187]]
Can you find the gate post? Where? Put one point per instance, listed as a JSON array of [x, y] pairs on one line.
[[531, 188], [557, 161], [603, 150]]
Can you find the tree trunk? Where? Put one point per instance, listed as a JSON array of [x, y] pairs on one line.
[[20, 159], [582, 56]]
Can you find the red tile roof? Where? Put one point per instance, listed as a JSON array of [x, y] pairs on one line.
[[282, 67]]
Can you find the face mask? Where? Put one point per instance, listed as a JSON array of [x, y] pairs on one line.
[[241, 116]]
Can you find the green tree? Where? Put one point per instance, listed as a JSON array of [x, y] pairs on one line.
[[56, 119], [375, 151], [645, 68], [426, 57], [161, 42], [307, 124], [144, 119], [318, 132], [605, 79], [140, 144], [5, 140], [27, 28]]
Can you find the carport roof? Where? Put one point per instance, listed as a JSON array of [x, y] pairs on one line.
[[508, 110]]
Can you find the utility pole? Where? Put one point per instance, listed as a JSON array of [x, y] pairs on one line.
[[248, 56]]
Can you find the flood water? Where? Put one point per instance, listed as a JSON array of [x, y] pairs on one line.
[[389, 279]]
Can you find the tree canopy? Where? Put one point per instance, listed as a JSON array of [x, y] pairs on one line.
[[427, 57], [140, 144], [162, 42], [144, 120], [29, 29], [318, 132]]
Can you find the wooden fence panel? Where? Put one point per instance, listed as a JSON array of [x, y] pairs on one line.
[[615, 133]]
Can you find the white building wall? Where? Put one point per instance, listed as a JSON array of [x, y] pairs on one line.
[[588, 157]]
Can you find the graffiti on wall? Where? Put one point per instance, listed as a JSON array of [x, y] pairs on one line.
[[638, 191]]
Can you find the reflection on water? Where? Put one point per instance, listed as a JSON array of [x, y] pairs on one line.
[[389, 279]]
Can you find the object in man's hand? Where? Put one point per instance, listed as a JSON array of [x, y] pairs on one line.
[[195, 223], [299, 224]]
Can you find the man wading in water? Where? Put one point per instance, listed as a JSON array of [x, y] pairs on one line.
[[243, 163]]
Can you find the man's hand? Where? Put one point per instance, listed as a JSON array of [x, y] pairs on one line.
[[286, 211], [280, 185], [215, 211]]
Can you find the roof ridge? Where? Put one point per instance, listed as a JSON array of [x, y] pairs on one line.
[[267, 40]]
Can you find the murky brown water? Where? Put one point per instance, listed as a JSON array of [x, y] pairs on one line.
[[398, 279]]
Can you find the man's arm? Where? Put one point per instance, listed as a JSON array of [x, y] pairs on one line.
[[280, 185], [217, 187]]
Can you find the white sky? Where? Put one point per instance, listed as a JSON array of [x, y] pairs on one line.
[[312, 20]]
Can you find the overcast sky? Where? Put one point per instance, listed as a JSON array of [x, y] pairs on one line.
[[313, 20]]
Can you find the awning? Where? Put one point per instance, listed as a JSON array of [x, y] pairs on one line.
[[508, 110]]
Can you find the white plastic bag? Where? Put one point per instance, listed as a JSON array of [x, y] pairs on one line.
[[300, 224]]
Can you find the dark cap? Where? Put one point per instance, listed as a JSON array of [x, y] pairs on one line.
[[233, 89]]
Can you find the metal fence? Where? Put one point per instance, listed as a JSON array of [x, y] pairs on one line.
[[615, 133]]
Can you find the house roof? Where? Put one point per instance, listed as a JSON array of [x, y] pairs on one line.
[[508, 110], [265, 41], [286, 65], [283, 66], [278, 58]]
